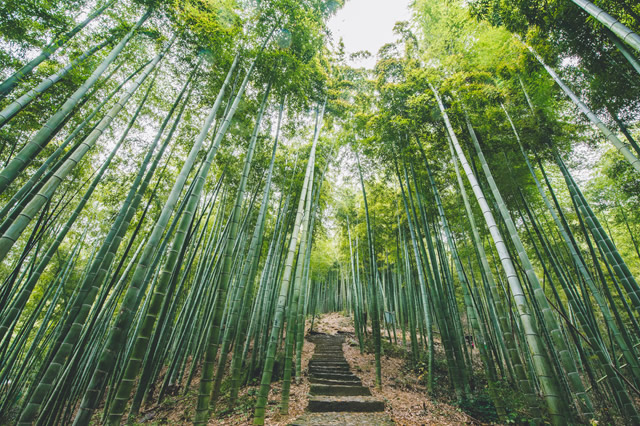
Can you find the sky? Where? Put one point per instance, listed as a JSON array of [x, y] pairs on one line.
[[368, 25]]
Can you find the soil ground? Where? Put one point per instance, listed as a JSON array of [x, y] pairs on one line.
[[406, 399]]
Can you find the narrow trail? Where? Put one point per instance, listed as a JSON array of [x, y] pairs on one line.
[[337, 396], [331, 349]]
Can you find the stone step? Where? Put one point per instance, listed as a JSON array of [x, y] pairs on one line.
[[343, 419], [339, 390], [333, 382], [361, 404], [330, 369], [335, 376], [340, 361], [332, 374], [324, 363], [328, 359], [337, 396], [329, 364], [341, 373]]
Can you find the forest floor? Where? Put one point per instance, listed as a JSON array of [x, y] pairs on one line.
[[405, 396]]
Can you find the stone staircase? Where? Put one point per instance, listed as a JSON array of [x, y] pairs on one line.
[[337, 396]]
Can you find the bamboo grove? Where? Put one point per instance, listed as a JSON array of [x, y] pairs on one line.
[[169, 220], [149, 226], [481, 241]]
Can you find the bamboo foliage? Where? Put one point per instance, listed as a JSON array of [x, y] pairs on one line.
[[541, 364], [173, 297], [167, 228], [39, 141], [8, 85], [611, 23], [621, 147]]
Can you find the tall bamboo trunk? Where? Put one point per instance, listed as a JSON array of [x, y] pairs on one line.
[[7, 86], [541, 365], [44, 135], [265, 384]]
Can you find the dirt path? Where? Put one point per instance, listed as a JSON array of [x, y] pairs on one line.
[[406, 399], [337, 396]]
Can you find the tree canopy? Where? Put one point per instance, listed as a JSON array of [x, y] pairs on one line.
[[184, 183]]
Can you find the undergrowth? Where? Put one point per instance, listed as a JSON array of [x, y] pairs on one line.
[[478, 404]]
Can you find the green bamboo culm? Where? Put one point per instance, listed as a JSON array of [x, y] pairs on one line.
[[555, 403], [551, 323], [207, 378], [265, 383], [44, 135], [178, 207], [19, 104], [291, 332], [619, 145], [250, 270], [375, 310], [9, 84], [129, 303], [71, 329], [233, 319], [116, 409]]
